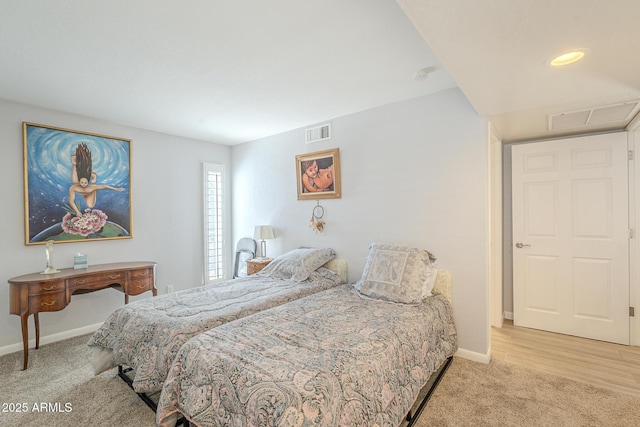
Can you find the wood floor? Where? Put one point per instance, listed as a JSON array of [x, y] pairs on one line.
[[611, 366]]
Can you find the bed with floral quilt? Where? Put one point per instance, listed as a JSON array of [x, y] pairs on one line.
[[146, 335], [357, 354]]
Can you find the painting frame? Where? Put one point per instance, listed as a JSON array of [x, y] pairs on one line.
[[77, 185], [325, 182]]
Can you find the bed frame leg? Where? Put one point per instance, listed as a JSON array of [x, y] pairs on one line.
[[146, 399], [411, 419], [122, 373]]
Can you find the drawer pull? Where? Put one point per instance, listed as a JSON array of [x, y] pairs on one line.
[[50, 288], [142, 286], [114, 276], [81, 281], [47, 304]]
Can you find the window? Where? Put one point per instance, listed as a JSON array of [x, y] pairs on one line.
[[214, 253]]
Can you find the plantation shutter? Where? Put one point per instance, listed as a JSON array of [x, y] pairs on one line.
[[214, 259]]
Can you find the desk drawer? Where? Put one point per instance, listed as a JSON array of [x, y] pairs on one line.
[[138, 286], [104, 279], [48, 302], [143, 272], [45, 288]]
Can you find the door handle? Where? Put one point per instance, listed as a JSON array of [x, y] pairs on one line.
[[522, 245]]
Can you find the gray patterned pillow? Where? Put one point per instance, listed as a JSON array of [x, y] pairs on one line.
[[298, 263], [396, 273]]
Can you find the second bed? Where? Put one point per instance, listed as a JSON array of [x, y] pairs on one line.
[[146, 335], [351, 355]]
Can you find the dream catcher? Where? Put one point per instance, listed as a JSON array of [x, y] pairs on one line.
[[317, 223]]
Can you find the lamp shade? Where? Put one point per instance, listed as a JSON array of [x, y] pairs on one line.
[[263, 232]]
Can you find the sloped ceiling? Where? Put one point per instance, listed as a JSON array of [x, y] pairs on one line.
[[220, 71], [497, 51]]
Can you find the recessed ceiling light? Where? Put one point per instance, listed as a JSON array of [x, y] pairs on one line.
[[569, 57]]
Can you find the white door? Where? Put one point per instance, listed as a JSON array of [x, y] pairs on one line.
[[571, 236]]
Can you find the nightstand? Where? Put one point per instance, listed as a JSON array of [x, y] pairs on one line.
[[257, 264]]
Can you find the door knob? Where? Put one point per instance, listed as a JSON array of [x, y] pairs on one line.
[[522, 245]]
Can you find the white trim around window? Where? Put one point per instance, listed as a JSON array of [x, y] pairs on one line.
[[215, 223]]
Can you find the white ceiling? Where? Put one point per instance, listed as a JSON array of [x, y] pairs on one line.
[[235, 71], [497, 52], [214, 70]]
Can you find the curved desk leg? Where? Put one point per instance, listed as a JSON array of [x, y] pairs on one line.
[[25, 339], [37, 321], [25, 336]]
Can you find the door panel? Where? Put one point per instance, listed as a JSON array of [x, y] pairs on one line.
[[592, 284], [597, 197], [542, 283], [541, 209], [570, 213]]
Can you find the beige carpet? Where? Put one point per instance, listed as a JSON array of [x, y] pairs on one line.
[[59, 389], [504, 394], [61, 373]]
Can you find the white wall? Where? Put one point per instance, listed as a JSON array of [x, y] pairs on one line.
[[167, 218], [414, 172]]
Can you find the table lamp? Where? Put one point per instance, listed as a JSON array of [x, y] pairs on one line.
[[263, 232]]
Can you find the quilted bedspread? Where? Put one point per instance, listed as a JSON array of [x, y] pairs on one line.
[[330, 359], [147, 334]]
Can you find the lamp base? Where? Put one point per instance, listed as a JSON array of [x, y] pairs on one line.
[[263, 249], [50, 270]]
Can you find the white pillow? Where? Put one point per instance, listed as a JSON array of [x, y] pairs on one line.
[[427, 289], [298, 263], [397, 273]]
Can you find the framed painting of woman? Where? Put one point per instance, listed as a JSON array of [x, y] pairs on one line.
[[318, 175], [77, 185]]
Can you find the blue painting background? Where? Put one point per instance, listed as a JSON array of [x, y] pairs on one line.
[[49, 178]]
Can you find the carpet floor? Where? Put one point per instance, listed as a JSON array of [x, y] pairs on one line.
[[59, 389], [505, 394]]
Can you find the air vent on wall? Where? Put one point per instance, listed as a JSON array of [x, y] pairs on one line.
[[604, 115], [318, 133]]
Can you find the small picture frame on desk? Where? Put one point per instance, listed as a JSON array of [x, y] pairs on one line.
[[80, 261]]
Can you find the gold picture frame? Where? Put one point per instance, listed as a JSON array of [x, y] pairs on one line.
[[318, 175], [77, 185]]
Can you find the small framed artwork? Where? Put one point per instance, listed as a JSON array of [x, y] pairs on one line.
[[77, 185], [318, 175]]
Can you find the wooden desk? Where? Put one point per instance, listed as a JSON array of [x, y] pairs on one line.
[[34, 293]]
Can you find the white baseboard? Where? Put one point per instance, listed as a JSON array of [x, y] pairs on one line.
[[12, 348], [508, 315], [473, 356]]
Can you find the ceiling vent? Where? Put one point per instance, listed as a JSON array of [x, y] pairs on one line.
[[602, 116], [318, 133]]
